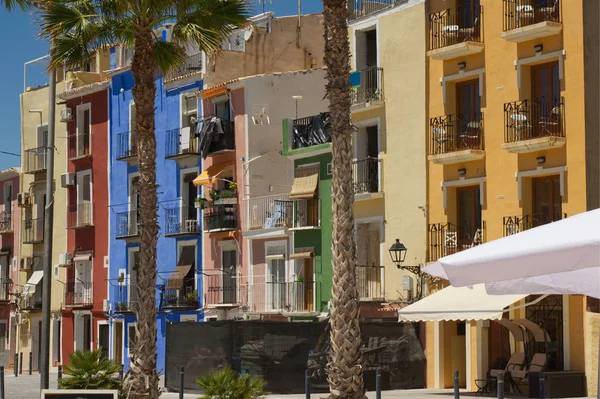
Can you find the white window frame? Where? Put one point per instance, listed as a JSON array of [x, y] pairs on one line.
[[184, 112], [126, 342], [462, 182], [540, 172], [130, 191], [79, 125], [462, 76], [268, 267], [541, 58], [361, 28], [80, 187]]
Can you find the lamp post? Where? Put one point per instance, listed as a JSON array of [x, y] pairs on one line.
[[398, 254]]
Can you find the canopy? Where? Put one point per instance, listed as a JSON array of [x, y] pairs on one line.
[[560, 257], [303, 253], [211, 173], [306, 181], [517, 332], [34, 280], [459, 303], [185, 264]]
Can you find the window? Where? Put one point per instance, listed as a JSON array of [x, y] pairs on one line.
[[7, 196], [469, 215], [82, 140], [222, 110], [189, 193], [547, 201], [366, 49], [103, 339], [189, 110]]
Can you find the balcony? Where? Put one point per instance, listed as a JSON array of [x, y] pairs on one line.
[[533, 125], [127, 224], [268, 213], [456, 33], [282, 297], [191, 65], [306, 214], [182, 143], [220, 218], [127, 297], [79, 146], [4, 292], [33, 231], [35, 160], [366, 177], [32, 302], [311, 131], [180, 299], [370, 282], [358, 9], [6, 222], [127, 146], [516, 224], [216, 136], [367, 92], [79, 294], [447, 238], [79, 216], [525, 20], [223, 289], [456, 139], [182, 220]]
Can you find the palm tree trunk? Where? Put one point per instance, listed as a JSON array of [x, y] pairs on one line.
[[344, 369], [142, 379]]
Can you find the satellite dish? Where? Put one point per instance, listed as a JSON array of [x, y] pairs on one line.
[[248, 32]]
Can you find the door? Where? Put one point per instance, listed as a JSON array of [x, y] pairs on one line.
[[309, 283], [84, 199], [229, 274], [13, 340], [469, 217], [39, 162], [83, 283], [83, 132], [189, 195], [468, 115], [277, 284], [118, 342], [4, 273], [547, 201], [467, 11], [87, 331], [545, 93], [103, 339]]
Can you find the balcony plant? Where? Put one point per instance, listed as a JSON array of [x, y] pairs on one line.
[[192, 298], [171, 299], [214, 195], [200, 203]]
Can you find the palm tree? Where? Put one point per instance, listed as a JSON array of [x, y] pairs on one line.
[[344, 369], [77, 28], [12, 4]]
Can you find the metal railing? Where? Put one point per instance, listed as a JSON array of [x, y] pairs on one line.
[[307, 213], [35, 160], [225, 289], [459, 132], [362, 8], [182, 220], [371, 86], [4, 290], [449, 27], [192, 64], [182, 141], [127, 296], [516, 224], [79, 293], [79, 145], [521, 13], [220, 217], [127, 224], [222, 141], [284, 296], [33, 231], [311, 130], [183, 298], [366, 175], [6, 219], [370, 281], [270, 212], [531, 119], [445, 239], [32, 301], [126, 146], [79, 215]]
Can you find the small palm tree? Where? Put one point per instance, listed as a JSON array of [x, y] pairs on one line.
[[88, 370], [344, 371], [227, 384], [76, 29]]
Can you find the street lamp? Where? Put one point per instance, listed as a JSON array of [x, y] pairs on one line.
[[398, 254]]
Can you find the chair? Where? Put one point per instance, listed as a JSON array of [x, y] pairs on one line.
[[468, 33], [520, 125], [549, 12], [450, 242], [441, 138], [537, 365], [515, 363], [471, 134], [524, 15], [551, 124]]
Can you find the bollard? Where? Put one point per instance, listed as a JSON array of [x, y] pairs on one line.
[[21, 363], [378, 384], [30, 362], [307, 384], [181, 373], [1, 382], [542, 386], [59, 375], [16, 365], [456, 387], [500, 389], [121, 372]]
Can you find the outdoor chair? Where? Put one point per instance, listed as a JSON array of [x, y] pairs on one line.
[[471, 135], [551, 124], [520, 125], [450, 242], [441, 138], [468, 34], [515, 363], [537, 365], [549, 12]]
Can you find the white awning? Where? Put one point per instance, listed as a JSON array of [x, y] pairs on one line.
[[459, 303], [34, 280]]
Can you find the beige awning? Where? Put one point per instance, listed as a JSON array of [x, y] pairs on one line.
[[185, 264], [82, 257], [306, 181], [303, 253], [33, 281]]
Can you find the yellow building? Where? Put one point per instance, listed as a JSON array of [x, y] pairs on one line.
[[389, 112], [511, 145]]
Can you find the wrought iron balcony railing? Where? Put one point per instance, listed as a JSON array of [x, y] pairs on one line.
[[79, 216], [521, 13], [366, 175], [220, 218], [361, 8], [307, 213], [79, 293], [126, 296], [126, 146], [282, 296], [127, 224], [33, 231], [192, 64], [182, 220], [225, 289], [531, 119], [183, 298], [450, 27], [35, 160], [274, 211], [459, 132], [182, 142], [32, 301], [370, 88], [79, 146], [516, 224], [221, 139], [370, 281], [447, 238], [6, 222]]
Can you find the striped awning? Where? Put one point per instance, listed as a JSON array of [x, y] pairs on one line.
[[211, 173], [306, 182]]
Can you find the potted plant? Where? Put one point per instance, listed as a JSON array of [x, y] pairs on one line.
[[192, 298], [171, 299], [214, 195], [200, 203]]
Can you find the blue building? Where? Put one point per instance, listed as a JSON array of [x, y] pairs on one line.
[[179, 257]]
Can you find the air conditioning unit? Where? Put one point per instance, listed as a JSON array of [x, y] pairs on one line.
[[67, 180], [65, 259], [23, 199], [66, 114]]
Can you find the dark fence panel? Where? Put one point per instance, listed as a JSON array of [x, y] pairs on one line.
[[281, 352]]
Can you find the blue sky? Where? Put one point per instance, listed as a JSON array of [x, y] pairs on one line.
[[19, 43]]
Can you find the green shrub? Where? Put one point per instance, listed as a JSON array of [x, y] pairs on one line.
[[227, 384], [88, 370]]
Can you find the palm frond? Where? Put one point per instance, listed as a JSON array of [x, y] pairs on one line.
[[168, 55], [11, 5]]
